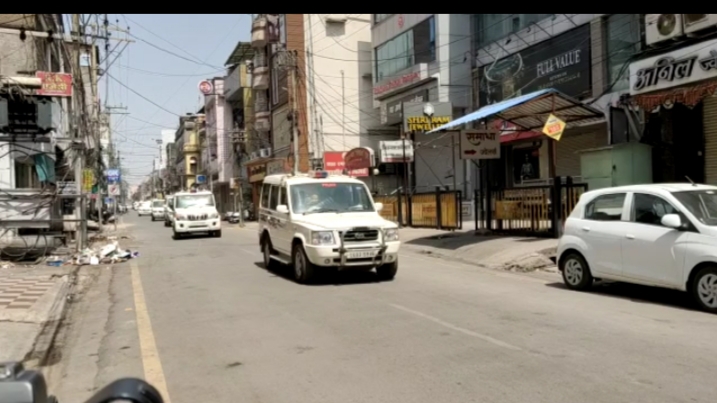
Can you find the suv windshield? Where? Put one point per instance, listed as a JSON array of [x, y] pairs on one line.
[[701, 203], [327, 197], [194, 201], [158, 203]]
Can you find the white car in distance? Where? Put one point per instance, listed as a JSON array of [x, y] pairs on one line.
[[195, 212], [144, 208], [662, 235], [157, 209]]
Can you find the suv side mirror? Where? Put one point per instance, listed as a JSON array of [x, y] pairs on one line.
[[379, 206], [282, 208], [672, 221]]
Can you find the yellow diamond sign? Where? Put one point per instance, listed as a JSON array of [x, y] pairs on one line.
[[554, 127]]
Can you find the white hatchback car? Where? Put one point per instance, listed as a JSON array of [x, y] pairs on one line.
[[662, 235]]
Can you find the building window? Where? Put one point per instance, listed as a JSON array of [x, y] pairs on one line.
[[282, 29], [488, 28], [380, 17], [623, 40], [417, 45]]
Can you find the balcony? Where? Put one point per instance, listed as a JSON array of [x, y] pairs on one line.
[[258, 32], [232, 84]]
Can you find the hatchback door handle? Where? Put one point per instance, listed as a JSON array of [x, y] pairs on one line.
[[628, 236], [586, 229]]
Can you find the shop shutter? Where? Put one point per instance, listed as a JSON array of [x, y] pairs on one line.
[[569, 145], [710, 133]]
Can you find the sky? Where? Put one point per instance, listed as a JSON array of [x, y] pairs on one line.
[[151, 83]]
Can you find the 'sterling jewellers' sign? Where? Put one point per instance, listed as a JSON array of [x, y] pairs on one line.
[[682, 66], [562, 62]]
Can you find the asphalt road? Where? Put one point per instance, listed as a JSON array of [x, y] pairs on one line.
[[203, 317]]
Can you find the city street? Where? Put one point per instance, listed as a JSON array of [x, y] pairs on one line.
[[205, 322]]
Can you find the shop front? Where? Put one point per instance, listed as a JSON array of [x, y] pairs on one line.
[[256, 173], [676, 93]]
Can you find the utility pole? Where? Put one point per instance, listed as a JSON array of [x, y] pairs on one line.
[[291, 64], [343, 111], [80, 204]]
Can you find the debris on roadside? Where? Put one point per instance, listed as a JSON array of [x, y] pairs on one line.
[[108, 253], [6, 265]]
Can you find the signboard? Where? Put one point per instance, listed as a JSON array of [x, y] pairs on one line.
[[54, 84], [201, 179], [113, 189], [334, 163], [206, 87], [88, 180], [479, 144], [391, 111], [112, 175], [561, 62], [554, 127], [393, 151], [392, 84], [420, 117], [67, 188], [679, 67], [256, 172], [359, 158]]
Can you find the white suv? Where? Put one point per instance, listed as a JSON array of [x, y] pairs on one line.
[[320, 221], [195, 212], [657, 235], [157, 209]]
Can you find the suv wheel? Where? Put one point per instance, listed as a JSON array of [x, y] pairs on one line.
[[387, 272], [576, 273], [303, 268], [269, 263], [704, 289]]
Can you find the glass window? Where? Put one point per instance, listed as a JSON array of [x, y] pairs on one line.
[[282, 198], [417, 45], [649, 209], [701, 203], [157, 203], [265, 190], [330, 197], [380, 17], [274, 197], [623, 41], [606, 207], [197, 200], [488, 28]]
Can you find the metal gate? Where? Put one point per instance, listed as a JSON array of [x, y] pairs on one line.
[[439, 209], [709, 119]]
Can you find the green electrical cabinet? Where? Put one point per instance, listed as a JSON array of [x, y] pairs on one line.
[[616, 165]]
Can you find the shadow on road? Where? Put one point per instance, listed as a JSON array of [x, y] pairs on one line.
[[639, 294], [348, 277]]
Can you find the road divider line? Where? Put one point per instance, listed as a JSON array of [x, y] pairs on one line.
[[153, 372], [458, 328]]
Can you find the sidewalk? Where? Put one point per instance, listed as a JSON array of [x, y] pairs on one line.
[[522, 254], [33, 299]]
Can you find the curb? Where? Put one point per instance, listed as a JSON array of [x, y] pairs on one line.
[[507, 267], [41, 350]]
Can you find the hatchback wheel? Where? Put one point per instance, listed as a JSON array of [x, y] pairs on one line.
[[704, 289], [576, 273]]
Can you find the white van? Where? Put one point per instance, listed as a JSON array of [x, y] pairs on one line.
[[315, 221], [195, 212]]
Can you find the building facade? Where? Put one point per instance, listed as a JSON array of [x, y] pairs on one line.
[[422, 58], [186, 138]]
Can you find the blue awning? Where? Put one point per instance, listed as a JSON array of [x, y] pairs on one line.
[[530, 111]]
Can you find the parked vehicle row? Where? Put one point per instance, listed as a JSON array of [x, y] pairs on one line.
[[662, 235]]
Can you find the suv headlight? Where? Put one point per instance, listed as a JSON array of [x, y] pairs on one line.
[[180, 217], [214, 215], [322, 238], [390, 235]]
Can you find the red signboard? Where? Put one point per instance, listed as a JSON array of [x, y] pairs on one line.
[[55, 84], [398, 82], [334, 164], [358, 158]]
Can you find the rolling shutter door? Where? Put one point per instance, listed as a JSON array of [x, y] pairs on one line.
[[568, 147], [710, 133]]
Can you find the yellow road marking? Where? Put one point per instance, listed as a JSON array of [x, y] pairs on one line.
[[153, 372]]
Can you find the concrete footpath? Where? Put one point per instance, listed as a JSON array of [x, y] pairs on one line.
[[33, 300], [522, 254]]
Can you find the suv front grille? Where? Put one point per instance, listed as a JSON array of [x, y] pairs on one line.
[[361, 235], [197, 217]]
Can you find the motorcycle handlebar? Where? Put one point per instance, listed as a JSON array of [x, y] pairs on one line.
[[18, 385]]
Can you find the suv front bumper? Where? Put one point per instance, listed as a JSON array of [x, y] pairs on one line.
[[212, 224], [359, 255]]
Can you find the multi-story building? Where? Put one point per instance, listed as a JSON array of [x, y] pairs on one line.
[[188, 150], [422, 58]]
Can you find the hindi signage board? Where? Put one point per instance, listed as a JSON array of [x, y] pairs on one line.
[[391, 111], [394, 151], [393, 84], [679, 67], [335, 164], [112, 175], [479, 144], [54, 84]]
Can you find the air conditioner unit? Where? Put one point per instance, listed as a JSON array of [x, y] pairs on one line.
[[265, 152], [254, 155], [336, 18], [697, 22], [661, 27]]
